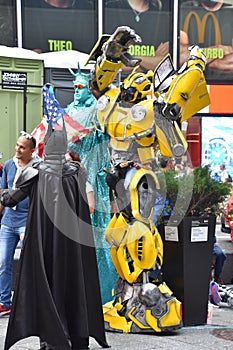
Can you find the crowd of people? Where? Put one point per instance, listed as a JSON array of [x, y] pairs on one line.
[[14, 222]]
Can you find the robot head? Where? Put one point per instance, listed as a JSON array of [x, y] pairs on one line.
[[136, 86], [197, 56]]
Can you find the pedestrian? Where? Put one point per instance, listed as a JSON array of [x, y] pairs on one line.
[[167, 164], [14, 219], [216, 292], [57, 297], [1, 169], [89, 146], [224, 176], [219, 260], [92, 149]]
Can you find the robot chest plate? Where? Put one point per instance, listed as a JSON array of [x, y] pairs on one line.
[[137, 121]]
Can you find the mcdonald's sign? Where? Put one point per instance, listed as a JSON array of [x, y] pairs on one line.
[[201, 25]]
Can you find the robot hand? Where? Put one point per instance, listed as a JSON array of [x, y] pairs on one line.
[[171, 111], [116, 48]]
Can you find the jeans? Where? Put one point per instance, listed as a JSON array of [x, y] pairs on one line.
[[9, 238], [220, 258]]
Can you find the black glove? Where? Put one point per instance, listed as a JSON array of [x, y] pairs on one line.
[[10, 197]]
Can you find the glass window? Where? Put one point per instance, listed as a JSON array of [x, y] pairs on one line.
[[59, 25], [8, 23], [150, 19], [209, 24]]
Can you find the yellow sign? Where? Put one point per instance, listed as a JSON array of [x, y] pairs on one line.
[[201, 24]]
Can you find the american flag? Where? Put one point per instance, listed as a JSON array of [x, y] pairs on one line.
[[52, 109], [55, 112]]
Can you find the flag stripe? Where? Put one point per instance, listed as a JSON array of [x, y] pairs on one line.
[[55, 112]]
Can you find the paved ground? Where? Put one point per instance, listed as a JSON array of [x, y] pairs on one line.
[[217, 335]]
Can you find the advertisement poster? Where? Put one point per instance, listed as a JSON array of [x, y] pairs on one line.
[[7, 23], [209, 24], [217, 144], [59, 25], [151, 20]]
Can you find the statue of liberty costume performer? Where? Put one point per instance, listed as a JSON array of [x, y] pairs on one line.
[[93, 152]]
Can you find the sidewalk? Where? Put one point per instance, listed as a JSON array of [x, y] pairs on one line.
[[217, 335]]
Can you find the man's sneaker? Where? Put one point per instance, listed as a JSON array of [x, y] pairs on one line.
[[214, 296], [4, 311]]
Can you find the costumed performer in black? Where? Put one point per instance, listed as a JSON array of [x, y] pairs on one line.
[[57, 296]]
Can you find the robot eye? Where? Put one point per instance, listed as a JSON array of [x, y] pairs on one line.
[[147, 88], [139, 80], [131, 90], [192, 57]]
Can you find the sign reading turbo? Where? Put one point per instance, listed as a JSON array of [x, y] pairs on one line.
[[212, 52]]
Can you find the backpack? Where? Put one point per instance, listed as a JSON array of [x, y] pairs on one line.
[[229, 178]]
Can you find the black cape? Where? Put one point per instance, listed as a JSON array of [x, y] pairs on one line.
[[57, 296]]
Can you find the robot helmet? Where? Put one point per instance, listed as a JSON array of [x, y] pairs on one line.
[[136, 86], [197, 56]]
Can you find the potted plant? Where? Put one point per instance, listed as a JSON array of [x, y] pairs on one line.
[[194, 199], [195, 193]]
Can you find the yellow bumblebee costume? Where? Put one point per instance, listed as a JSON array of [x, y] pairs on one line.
[[140, 121]]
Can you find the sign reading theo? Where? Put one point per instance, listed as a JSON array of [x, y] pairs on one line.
[[14, 80]]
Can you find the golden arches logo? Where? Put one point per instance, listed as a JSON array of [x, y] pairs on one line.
[[201, 24]]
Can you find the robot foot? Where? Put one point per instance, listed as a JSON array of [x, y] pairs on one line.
[[143, 308]]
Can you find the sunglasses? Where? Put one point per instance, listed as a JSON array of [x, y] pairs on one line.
[[29, 137], [79, 86]]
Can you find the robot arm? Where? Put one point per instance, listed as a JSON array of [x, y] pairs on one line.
[[171, 111], [115, 55]]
